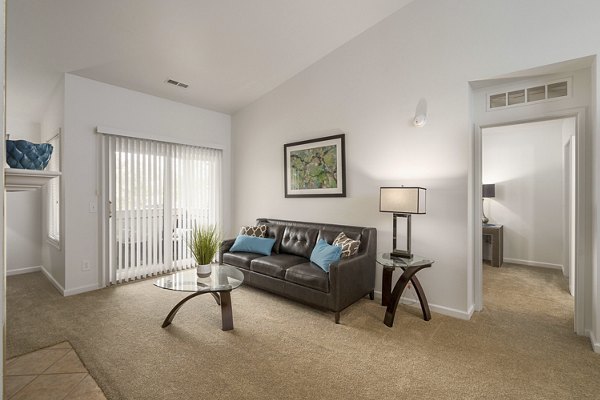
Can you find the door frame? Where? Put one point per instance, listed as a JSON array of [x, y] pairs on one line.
[[569, 199], [582, 212]]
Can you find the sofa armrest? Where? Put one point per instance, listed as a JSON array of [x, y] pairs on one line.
[[352, 278], [225, 246]]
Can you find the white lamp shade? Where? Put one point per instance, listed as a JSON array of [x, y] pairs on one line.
[[403, 200]]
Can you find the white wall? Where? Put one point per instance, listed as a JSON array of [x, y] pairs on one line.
[[89, 104], [2, 203], [525, 162], [24, 216], [370, 87], [23, 227], [22, 129], [53, 257]]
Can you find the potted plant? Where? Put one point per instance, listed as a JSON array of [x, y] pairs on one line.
[[204, 244]]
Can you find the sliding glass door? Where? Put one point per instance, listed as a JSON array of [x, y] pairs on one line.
[[157, 192]]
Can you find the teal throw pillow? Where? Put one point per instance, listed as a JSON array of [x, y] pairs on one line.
[[252, 244], [325, 254]]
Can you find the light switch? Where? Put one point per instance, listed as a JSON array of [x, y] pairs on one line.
[[93, 206]]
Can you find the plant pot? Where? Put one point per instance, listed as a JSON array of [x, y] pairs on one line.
[[203, 270]]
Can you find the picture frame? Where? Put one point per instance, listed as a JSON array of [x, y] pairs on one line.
[[315, 167]]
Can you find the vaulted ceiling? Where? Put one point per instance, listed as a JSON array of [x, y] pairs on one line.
[[230, 52]]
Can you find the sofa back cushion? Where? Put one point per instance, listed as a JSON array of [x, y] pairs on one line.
[[299, 241], [327, 232], [275, 232]]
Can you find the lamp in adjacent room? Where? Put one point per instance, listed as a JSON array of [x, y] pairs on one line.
[[402, 202], [488, 191]]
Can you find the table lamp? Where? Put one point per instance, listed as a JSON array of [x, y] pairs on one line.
[[487, 191], [402, 202]]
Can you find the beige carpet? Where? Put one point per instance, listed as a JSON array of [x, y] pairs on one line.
[[520, 347]]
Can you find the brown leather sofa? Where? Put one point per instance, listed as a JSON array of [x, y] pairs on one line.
[[288, 271]]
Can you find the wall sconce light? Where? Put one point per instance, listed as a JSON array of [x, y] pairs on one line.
[[420, 114]]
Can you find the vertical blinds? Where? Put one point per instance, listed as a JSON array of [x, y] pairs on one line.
[[159, 192]]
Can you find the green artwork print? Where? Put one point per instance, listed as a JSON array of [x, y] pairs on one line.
[[314, 168]]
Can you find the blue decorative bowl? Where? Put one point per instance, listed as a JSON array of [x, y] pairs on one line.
[[26, 155]]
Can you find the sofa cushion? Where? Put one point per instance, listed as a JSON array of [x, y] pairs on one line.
[[299, 241], [309, 275], [252, 244], [275, 232], [275, 265], [325, 254], [241, 260], [349, 247], [258, 231]]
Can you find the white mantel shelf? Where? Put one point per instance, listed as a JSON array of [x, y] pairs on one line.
[[19, 180]]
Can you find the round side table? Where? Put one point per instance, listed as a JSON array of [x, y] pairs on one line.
[[389, 297]]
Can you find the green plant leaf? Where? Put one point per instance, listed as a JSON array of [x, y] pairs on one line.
[[204, 244]]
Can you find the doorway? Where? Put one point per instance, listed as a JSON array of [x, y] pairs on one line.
[[151, 210], [528, 189], [573, 231]]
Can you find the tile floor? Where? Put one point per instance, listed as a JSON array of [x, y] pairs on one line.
[[51, 373]]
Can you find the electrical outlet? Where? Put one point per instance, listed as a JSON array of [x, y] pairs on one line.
[[85, 265]]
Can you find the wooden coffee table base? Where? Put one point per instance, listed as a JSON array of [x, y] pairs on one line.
[[222, 298]]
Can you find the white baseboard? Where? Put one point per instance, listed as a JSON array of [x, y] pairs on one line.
[[53, 281], [533, 263], [25, 270], [471, 310], [595, 343], [68, 292], [451, 312], [81, 289]]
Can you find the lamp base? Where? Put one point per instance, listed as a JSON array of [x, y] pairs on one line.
[[401, 254], [484, 219]]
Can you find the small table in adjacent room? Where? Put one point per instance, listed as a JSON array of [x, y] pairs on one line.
[[389, 297], [496, 234], [219, 283]]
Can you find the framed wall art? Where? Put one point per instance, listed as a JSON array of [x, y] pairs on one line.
[[316, 167]]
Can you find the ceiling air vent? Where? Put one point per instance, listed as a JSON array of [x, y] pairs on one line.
[[177, 83], [530, 94]]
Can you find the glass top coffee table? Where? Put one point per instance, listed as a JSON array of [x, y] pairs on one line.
[[221, 280]]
